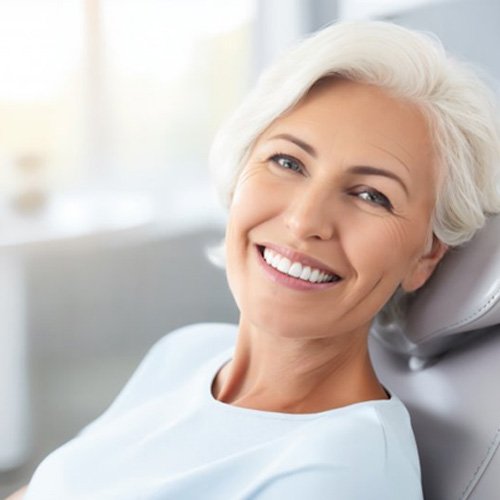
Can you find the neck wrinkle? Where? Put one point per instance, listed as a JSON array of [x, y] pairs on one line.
[[296, 375]]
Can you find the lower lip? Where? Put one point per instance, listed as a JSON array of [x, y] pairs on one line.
[[290, 281]]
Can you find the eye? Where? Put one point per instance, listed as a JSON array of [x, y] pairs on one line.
[[374, 197], [287, 162]]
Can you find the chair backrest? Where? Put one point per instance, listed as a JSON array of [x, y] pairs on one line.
[[445, 365]]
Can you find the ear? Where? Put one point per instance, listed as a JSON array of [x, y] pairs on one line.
[[425, 266]]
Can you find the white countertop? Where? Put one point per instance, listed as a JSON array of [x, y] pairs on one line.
[[74, 215]]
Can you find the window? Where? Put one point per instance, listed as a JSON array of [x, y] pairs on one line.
[[118, 93]]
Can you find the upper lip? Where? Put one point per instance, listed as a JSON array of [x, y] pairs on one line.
[[295, 256]]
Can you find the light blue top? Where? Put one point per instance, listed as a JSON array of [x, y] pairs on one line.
[[166, 437]]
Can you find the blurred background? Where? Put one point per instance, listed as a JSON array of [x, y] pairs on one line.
[[107, 111]]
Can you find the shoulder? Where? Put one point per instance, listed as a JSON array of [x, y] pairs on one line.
[[179, 351], [171, 360], [183, 349], [358, 430], [365, 450], [378, 436], [202, 340], [321, 482]]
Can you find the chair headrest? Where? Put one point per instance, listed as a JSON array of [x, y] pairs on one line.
[[461, 299]]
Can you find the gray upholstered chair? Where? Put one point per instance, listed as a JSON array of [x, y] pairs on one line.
[[445, 365]]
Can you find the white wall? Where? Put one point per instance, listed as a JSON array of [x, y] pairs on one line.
[[470, 29], [367, 9], [280, 23]]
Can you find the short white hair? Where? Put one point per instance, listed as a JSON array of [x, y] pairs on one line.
[[411, 65]]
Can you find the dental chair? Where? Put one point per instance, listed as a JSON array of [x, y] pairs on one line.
[[445, 365]]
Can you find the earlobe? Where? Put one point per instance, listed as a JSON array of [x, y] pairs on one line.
[[425, 266]]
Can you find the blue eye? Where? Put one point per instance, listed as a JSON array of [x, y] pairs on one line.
[[287, 162], [375, 197]]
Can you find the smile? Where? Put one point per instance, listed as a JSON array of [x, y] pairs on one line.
[[298, 270]]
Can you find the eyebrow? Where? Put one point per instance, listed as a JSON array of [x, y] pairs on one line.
[[301, 144], [366, 170], [359, 169]]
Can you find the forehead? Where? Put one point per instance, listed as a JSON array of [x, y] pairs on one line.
[[337, 114]]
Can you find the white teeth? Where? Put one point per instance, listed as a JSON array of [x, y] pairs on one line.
[[314, 276], [284, 265], [306, 272], [295, 269], [276, 260]]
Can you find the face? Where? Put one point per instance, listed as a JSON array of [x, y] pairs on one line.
[[331, 213]]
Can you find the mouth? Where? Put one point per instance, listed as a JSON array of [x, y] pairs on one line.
[[296, 267]]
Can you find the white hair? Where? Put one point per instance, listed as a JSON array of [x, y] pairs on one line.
[[411, 65]]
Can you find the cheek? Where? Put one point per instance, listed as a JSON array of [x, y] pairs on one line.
[[232, 249], [251, 207], [254, 201], [244, 214], [386, 245]]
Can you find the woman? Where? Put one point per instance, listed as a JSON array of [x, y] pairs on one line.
[[361, 156]]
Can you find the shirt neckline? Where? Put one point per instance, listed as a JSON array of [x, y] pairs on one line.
[[215, 365]]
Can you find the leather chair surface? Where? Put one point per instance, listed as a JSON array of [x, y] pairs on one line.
[[455, 410], [443, 362]]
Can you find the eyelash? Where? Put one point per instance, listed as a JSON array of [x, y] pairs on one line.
[[280, 156], [374, 197]]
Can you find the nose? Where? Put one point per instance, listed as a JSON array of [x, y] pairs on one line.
[[310, 215]]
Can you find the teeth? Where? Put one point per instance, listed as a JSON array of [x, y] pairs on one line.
[[276, 260], [306, 272], [314, 276], [284, 265], [295, 269]]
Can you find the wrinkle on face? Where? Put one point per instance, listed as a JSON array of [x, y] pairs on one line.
[[307, 350], [355, 124]]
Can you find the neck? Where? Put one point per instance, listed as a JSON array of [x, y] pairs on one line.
[[297, 375]]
